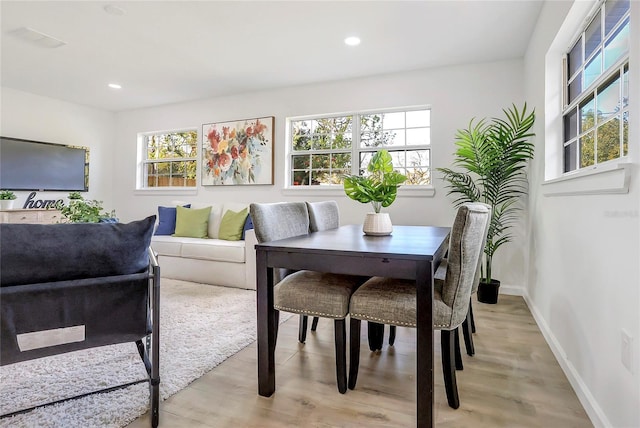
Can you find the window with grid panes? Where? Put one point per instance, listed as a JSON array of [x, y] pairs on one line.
[[596, 113], [169, 159], [324, 149]]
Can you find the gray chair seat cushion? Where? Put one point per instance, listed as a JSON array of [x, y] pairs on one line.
[[316, 294], [393, 301]]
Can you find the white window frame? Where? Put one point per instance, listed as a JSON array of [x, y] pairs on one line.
[[612, 177], [356, 150], [141, 171], [592, 90]]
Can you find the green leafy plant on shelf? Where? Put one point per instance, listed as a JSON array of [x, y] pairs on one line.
[[379, 187], [80, 210], [7, 195], [75, 195]]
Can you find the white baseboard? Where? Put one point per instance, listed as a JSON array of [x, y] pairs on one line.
[[511, 290], [595, 413]]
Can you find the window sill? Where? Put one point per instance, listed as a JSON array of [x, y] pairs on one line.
[[403, 192], [163, 191], [597, 181]]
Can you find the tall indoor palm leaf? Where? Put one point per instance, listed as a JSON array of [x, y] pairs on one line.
[[492, 157]]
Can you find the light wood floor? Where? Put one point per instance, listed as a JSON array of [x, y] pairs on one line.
[[512, 381]]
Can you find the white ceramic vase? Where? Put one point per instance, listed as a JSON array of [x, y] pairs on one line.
[[377, 224], [6, 204]]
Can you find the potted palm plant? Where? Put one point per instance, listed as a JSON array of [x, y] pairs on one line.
[[6, 199], [380, 188], [492, 157]]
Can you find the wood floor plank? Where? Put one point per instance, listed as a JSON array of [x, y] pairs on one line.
[[512, 381]]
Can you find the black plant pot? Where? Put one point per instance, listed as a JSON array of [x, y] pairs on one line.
[[488, 291]]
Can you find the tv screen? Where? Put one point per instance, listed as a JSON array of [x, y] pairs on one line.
[[34, 165]]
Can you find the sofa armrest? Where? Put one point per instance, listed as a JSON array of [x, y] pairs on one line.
[[250, 242]]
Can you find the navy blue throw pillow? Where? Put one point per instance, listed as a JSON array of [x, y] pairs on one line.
[[35, 253], [167, 220], [248, 224]]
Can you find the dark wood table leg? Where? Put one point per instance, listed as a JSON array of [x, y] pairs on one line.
[[424, 376], [266, 326]]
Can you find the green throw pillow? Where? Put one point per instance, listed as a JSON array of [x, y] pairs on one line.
[[192, 222], [232, 224]]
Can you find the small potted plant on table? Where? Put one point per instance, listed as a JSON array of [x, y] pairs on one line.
[[6, 199], [380, 188]]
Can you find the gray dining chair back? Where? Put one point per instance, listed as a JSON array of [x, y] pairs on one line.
[[465, 249], [476, 279], [279, 220], [323, 215], [469, 325]]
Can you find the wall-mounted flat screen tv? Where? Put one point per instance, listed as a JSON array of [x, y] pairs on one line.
[[35, 165]]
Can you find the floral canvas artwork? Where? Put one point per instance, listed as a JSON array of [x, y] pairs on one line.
[[238, 152]]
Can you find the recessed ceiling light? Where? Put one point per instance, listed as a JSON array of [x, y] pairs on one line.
[[352, 41], [115, 86]]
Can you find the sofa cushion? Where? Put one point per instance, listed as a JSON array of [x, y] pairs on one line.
[[217, 211], [30, 252], [192, 222], [214, 217], [197, 248], [167, 220], [167, 245], [232, 225], [213, 249]]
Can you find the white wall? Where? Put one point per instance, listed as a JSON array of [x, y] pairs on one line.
[[32, 117], [455, 94], [583, 279]]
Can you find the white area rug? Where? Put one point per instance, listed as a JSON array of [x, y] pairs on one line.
[[200, 327]]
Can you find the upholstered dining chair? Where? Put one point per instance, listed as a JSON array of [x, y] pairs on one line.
[[323, 215], [306, 292], [393, 301], [468, 326]]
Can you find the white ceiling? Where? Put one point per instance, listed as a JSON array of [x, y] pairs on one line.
[[172, 51]]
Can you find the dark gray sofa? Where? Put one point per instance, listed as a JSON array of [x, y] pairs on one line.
[[97, 283]]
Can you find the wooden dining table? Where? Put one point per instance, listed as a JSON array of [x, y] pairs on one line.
[[410, 252]]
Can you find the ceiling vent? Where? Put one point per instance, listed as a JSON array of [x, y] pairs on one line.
[[37, 38]]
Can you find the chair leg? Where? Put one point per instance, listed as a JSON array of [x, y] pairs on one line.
[[466, 332], [449, 369], [470, 316], [341, 354], [302, 329], [277, 325], [392, 335], [457, 354], [375, 333], [354, 352], [314, 324]]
